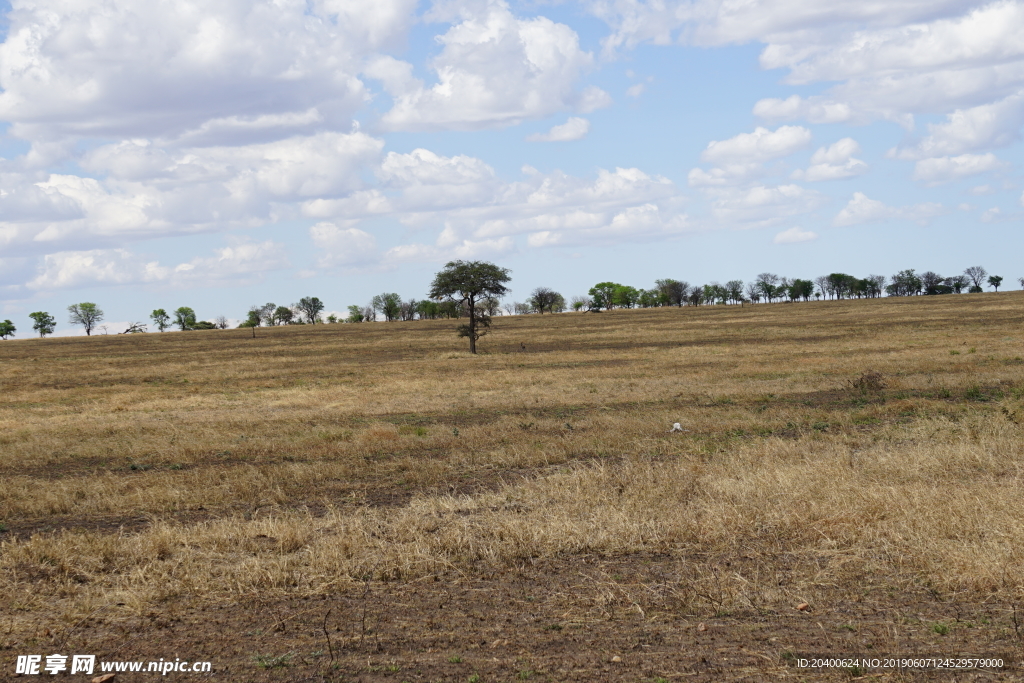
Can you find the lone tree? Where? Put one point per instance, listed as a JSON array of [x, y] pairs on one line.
[[88, 315], [994, 281], [310, 307], [467, 283], [7, 329], [161, 319], [44, 323]]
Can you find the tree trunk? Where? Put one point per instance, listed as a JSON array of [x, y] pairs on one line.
[[472, 325]]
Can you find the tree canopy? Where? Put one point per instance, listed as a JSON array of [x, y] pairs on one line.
[[87, 314]]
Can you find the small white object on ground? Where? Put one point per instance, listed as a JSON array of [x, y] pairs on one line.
[[676, 427]]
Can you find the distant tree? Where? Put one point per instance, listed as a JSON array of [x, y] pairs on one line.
[[766, 283], [221, 322], [994, 281], [800, 289], [522, 308], [88, 315], [266, 314], [673, 291], [467, 282], [331, 319], [44, 323], [7, 329], [931, 281], [977, 275], [388, 304], [734, 289], [204, 325], [753, 292], [582, 303], [310, 308], [904, 283], [650, 298], [544, 299], [625, 296], [408, 309], [824, 288], [602, 295], [957, 283], [1021, 281], [696, 296], [876, 285], [283, 315], [160, 319], [252, 318], [185, 318], [355, 314], [841, 285]]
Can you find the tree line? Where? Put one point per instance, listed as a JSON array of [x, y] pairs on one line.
[[446, 301]]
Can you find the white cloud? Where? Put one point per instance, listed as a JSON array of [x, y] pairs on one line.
[[967, 130], [979, 190], [636, 90], [944, 169], [238, 263], [814, 109], [1022, 199], [861, 209], [343, 246], [795, 236], [762, 206], [835, 162], [992, 215], [575, 128], [757, 147], [494, 70], [137, 68]]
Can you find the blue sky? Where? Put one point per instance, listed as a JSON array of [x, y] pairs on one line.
[[225, 153]]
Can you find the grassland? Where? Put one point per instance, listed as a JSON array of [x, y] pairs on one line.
[[370, 502]]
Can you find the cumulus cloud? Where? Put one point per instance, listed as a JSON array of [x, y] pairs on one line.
[[239, 263], [944, 169], [862, 209], [741, 159], [494, 70], [967, 130], [835, 162], [343, 245], [795, 236], [575, 128], [813, 109], [757, 147], [762, 205], [136, 68]]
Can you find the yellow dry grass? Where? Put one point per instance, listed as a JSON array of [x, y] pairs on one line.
[[136, 469]]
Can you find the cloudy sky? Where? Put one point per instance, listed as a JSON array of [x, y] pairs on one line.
[[224, 153]]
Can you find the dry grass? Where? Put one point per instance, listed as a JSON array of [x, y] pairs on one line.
[[830, 441]]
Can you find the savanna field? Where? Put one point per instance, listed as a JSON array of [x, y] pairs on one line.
[[369, 502]]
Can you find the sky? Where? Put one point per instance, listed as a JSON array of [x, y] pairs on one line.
[[223, 153]]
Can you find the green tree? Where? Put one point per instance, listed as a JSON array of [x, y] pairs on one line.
[[7, 329], [88, 315], [905, 283], [204, 325], [355, 314], [387, 304], [673, 292], [602, 295], [160, 319], [44, 323], [465, 283], [310, 307], [994, 281], [185, 318], [283, 315]]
